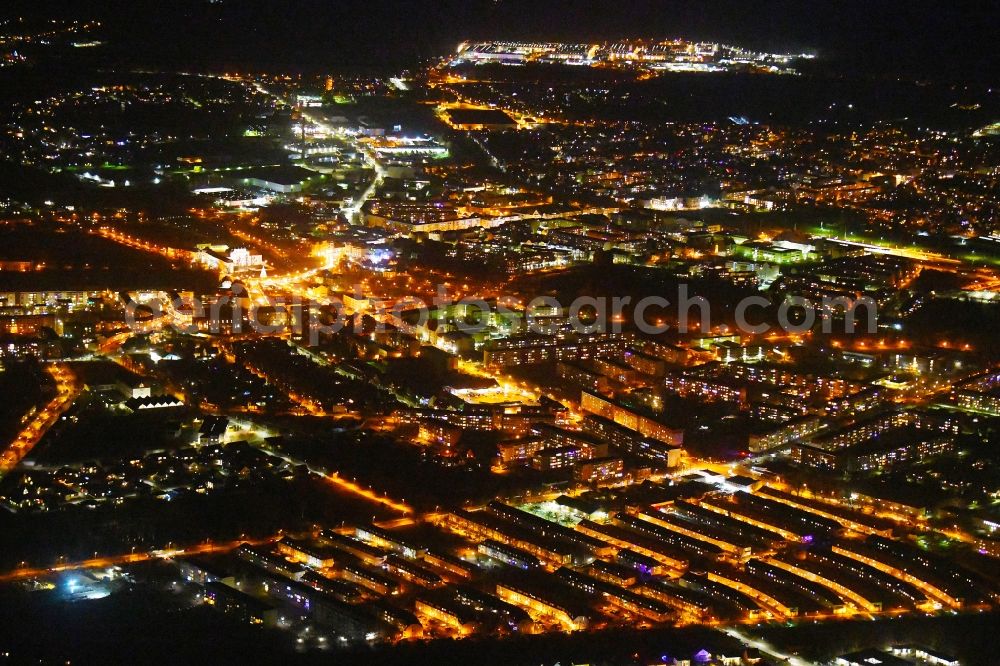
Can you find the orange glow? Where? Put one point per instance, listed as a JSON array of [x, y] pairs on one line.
[[33, 432], [354, 488], [131, 558]]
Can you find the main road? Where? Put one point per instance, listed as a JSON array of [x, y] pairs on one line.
[[40, 423], [355, 208], [132, 558]]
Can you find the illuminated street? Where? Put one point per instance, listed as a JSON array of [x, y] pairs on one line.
[[517, 333], [40, 423]]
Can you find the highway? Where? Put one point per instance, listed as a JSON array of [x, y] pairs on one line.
[[356, 206]]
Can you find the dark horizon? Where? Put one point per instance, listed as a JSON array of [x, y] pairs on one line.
[[910, 39]]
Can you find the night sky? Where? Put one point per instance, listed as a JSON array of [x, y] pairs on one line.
[[954, 40]]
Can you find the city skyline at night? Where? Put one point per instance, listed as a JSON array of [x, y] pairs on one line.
[[656, 333]]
